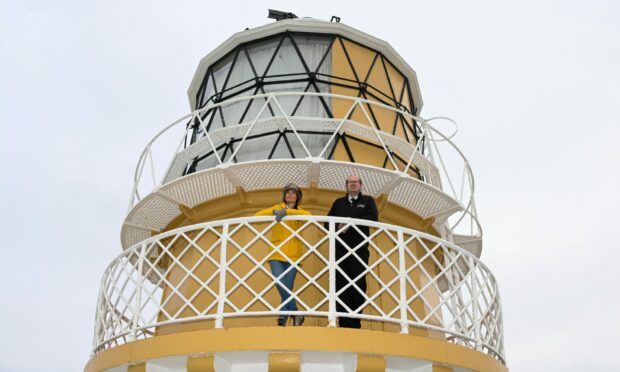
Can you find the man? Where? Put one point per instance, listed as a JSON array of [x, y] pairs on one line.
[[354, 205]]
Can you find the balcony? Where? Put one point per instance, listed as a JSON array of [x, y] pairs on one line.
[[427, 175], [216, 274]]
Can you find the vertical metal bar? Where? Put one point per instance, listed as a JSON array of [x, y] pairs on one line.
[[477, 318], [152, 162], [176, 152], [219, 317], [331, 316], [99, 333], [404, 327], [138, 306], [204, 130]]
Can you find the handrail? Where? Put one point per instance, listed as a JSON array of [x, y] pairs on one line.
[[427, 146], [440, 287]]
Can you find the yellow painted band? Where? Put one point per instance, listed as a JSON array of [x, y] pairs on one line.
[[295, 339]]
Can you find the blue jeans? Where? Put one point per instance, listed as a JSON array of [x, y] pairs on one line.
[[288, 280]]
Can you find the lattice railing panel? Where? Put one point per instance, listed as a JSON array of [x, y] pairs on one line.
[[217, 271]]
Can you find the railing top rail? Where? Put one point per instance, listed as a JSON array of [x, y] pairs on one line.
[[319, 218], [133, 300]]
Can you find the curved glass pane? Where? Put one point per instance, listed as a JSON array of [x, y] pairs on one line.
[[261, 53]]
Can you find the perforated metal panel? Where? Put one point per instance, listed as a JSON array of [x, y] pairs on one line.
[[132, 235], [333, 175], [199, 187], [156, 211], [425, 200], [153, 212], [273, 174], [472, 244]]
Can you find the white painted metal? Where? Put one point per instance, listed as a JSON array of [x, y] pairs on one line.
[[436, 163], [168, 364], [398, 364], [466, 307], [156, 211], [242, 361], [323, 361]]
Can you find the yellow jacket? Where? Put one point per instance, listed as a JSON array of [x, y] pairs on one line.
[[279, 233]]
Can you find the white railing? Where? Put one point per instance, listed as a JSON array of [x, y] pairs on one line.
[[218, 270], [449, 169]]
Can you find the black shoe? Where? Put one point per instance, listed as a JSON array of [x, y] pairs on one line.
[[282, 319], [298, 320]]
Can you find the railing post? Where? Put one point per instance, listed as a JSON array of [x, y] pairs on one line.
[[331, 316], [402, 270], [99, 333], [475, 311], [219, 317], [138, 306]]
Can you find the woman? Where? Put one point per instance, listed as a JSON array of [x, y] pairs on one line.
[[291, 197]]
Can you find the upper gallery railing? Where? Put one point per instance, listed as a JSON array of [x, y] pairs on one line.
[[440, 162], [218, 270]]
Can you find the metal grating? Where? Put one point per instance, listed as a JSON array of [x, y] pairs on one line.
[[274, 174], [132, 235], [373, 179], [472, 244], [200, 187], [153, 212], [426, 201]]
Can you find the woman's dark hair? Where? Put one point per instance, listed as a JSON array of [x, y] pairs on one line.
[[294, 187]]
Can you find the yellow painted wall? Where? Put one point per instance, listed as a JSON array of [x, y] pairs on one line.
[[381, 118], [246, 204]]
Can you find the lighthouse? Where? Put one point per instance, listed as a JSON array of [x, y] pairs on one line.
[[305, 105]]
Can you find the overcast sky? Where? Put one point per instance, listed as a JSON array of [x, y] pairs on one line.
[[533, 85]]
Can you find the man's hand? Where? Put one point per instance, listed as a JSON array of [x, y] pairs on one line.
[[340, 225], [279, 213]]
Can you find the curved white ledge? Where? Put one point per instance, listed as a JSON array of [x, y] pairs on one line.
[[158, 209]]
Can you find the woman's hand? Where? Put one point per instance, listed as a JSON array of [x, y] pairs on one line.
[[279, 213]]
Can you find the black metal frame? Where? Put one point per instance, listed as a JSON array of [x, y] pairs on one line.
[[312, 78]]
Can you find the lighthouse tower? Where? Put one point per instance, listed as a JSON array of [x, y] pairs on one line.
[[308, 102]]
